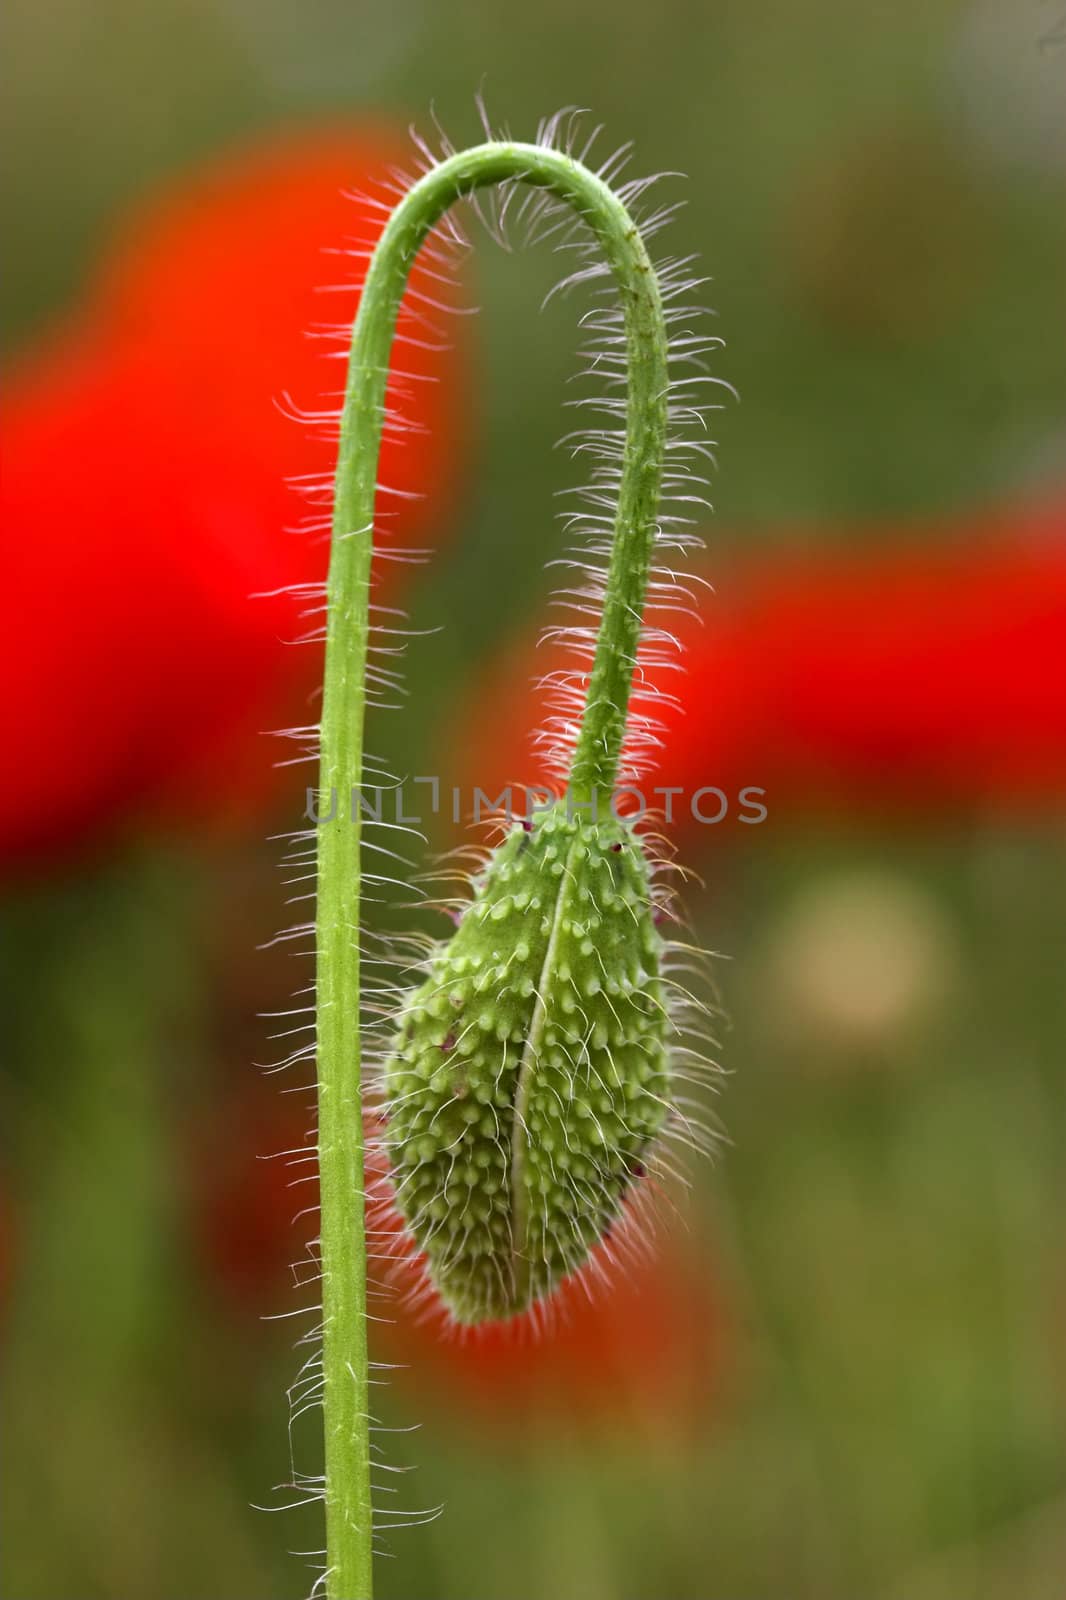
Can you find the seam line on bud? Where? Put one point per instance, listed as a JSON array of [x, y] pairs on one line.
[[526, 1067]]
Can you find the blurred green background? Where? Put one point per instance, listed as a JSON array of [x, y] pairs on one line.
[[877, 193]]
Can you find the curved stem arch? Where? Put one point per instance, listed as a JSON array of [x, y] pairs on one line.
[[593, 770]]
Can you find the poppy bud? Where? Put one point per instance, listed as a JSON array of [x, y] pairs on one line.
[[529, 1075]]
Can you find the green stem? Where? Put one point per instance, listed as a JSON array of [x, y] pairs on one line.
[[340, 1136]]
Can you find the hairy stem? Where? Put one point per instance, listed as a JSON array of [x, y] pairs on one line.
[[340, 1134]]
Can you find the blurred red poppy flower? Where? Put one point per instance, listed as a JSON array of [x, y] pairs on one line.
[[243, 1193], [922, 675], [649, 1348], [146, 487]]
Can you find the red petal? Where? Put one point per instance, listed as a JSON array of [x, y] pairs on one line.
[[145, 498]]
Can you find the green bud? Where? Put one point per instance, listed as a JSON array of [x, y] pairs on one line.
[[530, 1074]]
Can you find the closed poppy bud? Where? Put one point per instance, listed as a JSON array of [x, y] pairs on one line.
[[529, 1076]]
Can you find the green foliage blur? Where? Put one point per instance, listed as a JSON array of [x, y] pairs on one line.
[[877, 193]]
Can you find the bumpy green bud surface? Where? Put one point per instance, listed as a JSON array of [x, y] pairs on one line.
[[529, 1074]]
